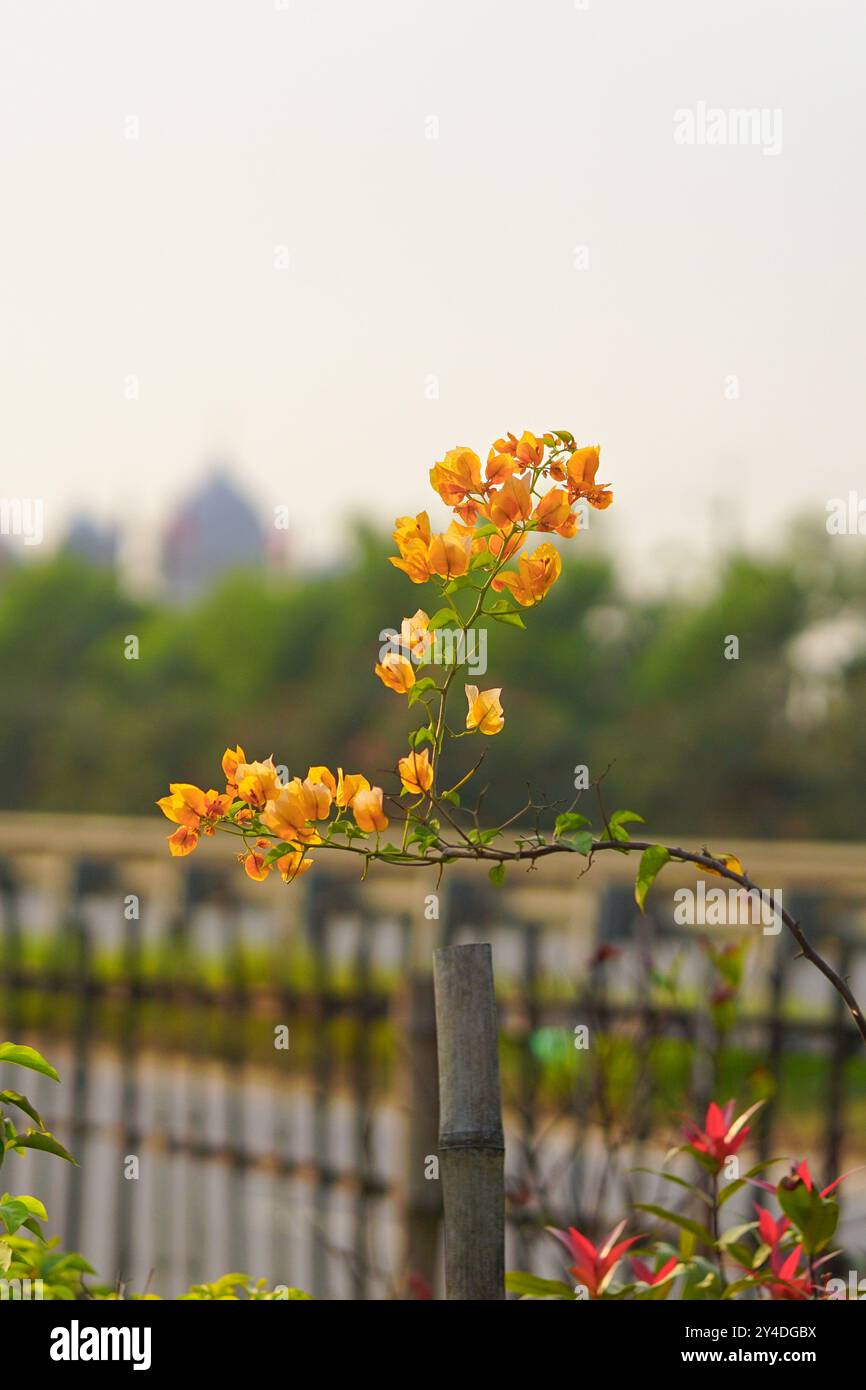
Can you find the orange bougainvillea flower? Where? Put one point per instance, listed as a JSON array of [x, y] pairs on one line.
[[422, 555], [183, 841], [367, 809], [530, 450], [537, 573], [324, 775], [415, 635], [485, 710], [348, 786], [511, 504], [177, 808], [288, 814], [582, 468], [501, 547], [457, 476], [553, 510], [396, 672], [500, 467], [193, 810], [450, 552], [412, 534], [416, 772], [292, 865], [257, 782], [231, 758], [412, 528], [254, 862]]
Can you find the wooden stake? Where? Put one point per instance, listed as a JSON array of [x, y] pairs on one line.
[[471, 1143]]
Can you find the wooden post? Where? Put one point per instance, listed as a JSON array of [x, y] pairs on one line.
[[423, 1198], [471, 1143]]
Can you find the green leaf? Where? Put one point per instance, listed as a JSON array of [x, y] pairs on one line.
[[569, 820], [531, 1286], [680, 1182], [482, 837], [738, 1286], [652, 861], [277, 852], [685, 1224], [510, 619], [733, 1187], [422, 735], [734, 1233], [497, 874], [33, 1139], [423, 835], [581, 843], [22, 1056], [815, 1217], [420, 688], [13, 1214], [445, 617], [618, 821], [451, 796], [15, 1098]]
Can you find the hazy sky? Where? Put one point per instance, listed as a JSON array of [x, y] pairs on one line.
[[306, 125]]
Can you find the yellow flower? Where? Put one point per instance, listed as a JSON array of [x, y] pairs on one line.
[[582, 468], [499, 468], [257, 782], [511, 504], [367, 810], [553, 511], [183, 841], [348, 786], [457, 476], [291, 866], [422, 555], [231, 758], [288, 814], [188, 805], [412, 534], [449, 553], [416, 772], [415, 635], [396, 672], [174, 808], [254, 862], [529, 451], [537, 573], [323, 774], [485, 710]]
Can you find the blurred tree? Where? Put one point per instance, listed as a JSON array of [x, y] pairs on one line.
[[698, 741]]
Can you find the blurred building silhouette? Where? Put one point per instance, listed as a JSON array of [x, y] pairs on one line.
[[90, 541], [213, 531]]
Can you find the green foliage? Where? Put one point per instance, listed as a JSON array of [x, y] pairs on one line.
[[639, 681]]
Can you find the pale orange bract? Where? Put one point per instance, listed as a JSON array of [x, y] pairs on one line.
[[485, 710], [367, 810], [396, 672], [536, 575], [416, 772]]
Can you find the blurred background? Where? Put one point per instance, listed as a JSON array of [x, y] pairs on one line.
[[265, 265]]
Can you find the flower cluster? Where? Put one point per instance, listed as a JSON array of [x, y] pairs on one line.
[[776, 1257], [534, 483]]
